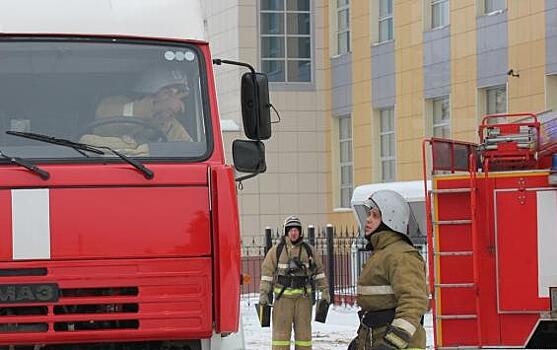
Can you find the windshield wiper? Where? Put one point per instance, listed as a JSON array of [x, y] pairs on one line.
[[84, 147], [56, 141], [148, 173], [43, 174]]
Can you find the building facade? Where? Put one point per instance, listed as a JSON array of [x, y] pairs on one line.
[[404, 70], [360, 83]]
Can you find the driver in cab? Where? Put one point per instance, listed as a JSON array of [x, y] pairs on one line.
[[160, 98]]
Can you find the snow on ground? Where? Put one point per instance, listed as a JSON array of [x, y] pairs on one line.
[[340, 329]]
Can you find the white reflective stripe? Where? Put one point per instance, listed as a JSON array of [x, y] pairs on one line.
[[547, 241], [403, 324], [30, 224], [267, 278], [375, 290], [319, 276], [128, 110], [286, 266]]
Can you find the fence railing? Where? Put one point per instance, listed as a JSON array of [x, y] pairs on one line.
[[341, 250]]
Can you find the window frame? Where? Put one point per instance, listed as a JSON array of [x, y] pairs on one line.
[[445, 124], [391, 158], [284, 38], [387, 17], [483, 105], [345, 163], [432, 4], [487, 12], [495, 88], [338, 31], [550, 92]]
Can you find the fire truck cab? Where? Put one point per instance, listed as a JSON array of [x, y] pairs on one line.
[[119, 224], [492, 234]]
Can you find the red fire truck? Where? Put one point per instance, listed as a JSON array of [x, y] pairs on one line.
[[119, 223], [492, 234]]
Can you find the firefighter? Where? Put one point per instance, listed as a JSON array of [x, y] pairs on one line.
[[392, 291], [288, 270], [158, 99]]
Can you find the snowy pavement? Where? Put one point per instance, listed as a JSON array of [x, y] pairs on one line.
[[340, 329]]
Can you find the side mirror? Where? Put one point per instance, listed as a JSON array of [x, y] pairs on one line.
[[256, 109], [249, 156]]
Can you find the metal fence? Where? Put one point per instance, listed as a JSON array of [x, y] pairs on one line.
[[341, 250]]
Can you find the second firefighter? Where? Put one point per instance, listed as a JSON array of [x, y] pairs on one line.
[[288, 270]]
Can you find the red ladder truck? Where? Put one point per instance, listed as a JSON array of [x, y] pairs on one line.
[[492, 235], [119, 224]]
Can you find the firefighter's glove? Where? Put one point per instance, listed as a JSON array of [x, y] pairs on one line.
[[325, 295], [264, 298], [396, 337]]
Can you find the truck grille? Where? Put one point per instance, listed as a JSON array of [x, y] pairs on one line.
[[91, 308], [102, 301], [41, 271]]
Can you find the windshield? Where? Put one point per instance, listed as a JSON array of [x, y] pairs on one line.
[[143, 100]]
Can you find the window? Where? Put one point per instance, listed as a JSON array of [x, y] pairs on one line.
[[494, 5], [439, 13], [343, 26], [496, 101], [385, 20], [100, 92], [387, 140], [441, 117], [551, 92], [286, 40], [345, 158]]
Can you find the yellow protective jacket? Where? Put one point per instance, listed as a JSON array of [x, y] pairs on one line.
[[117, 106], [272, 268], [394, 278]]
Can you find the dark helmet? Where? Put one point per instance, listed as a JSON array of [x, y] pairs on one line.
[[292, 221]]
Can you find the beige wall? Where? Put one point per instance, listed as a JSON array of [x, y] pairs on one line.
[[296, 164], [526, 30], [463, 71], [409, 106]]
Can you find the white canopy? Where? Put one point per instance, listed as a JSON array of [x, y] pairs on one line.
[[177, 19], [412, 191]]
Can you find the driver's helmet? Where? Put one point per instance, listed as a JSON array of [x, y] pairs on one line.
[[158, 77]]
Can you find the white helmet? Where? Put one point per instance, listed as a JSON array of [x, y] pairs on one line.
[[395, 212], [155, 78]]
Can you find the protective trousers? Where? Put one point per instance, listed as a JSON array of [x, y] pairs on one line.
[[288, 311], [364, 340]]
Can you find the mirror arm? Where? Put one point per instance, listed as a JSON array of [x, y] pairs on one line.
[[245, 177], [219, 61], [276, 112]]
